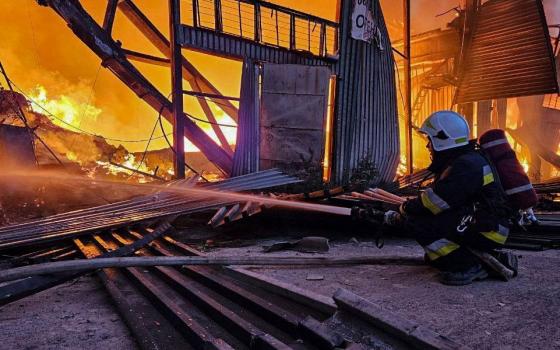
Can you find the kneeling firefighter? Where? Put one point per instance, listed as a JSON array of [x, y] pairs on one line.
[[464, 209]]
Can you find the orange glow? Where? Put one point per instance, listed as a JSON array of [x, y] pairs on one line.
[[48, 62], [401, 169], [66, 109]]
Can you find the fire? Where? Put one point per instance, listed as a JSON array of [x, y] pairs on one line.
[[72, 157], [230, 133], [66, 109], [525, 165], [401, 169], [129, 162]]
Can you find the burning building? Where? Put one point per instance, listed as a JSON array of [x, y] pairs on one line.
[[493, 63], [317, 94]]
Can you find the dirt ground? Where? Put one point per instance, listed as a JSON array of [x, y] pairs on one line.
[[521, 314], [75, 315]]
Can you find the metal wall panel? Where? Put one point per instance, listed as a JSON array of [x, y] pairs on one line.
[[366, 124], [365, 118], [293, 111], [510, 53], [246, 156], [229, 46]]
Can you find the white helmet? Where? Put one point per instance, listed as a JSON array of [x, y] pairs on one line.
[[446, 129]]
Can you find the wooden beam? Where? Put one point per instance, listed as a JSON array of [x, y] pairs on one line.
[[414, 334], [101, 263], [190, 73], [524, 136], [219, 97], [145, 58], [112, 56], [177, 89], [109, 18], [139, 172]]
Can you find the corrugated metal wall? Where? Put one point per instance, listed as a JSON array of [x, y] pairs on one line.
[[246, 156], [366, 124], [510, 53], [365, 120]]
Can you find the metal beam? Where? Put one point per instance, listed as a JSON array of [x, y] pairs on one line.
[[109, 18], [234, 47], [140, 57], [87, 30], [190, 73], [196, 93], [177, 90], [145, 58]]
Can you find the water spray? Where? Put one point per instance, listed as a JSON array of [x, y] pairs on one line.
[[194, 192]]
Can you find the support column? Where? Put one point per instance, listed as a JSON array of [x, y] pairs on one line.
[[483, 117], [501, 107], [407, 87], [467, 110], [177, 90]]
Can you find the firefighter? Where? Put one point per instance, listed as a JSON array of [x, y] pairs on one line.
[[464, 209]]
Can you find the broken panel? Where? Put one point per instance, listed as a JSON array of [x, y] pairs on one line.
[[292, 121]]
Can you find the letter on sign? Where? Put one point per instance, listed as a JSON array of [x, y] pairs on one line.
[[363, 27]]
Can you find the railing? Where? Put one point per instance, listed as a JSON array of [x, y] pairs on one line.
[[264, 23]]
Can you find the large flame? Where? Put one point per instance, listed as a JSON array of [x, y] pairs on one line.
[[402, 168], [66, 111]]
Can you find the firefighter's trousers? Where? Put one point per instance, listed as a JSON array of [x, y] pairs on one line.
[[446, 237]]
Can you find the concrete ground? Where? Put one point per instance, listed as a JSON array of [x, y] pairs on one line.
[[74, 315], [521, 314]]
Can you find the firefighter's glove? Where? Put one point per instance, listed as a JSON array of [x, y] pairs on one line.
[[369, 214], [356, 213], [391, 218]]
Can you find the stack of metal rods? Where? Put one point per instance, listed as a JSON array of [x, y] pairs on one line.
[[541, 236], [379, 195], [126, 213], [255, 181], [409, 183]]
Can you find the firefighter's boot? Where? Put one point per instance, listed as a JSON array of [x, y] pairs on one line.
[[464, 277]]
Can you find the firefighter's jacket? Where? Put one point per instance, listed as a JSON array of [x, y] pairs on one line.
[[466, 185]]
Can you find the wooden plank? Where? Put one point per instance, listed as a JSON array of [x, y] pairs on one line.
[[267, 260], [321, 336], [409, 331], [20, 289], [299, 295]]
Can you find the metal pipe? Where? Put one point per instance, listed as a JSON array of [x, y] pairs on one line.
[[407, 88]]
